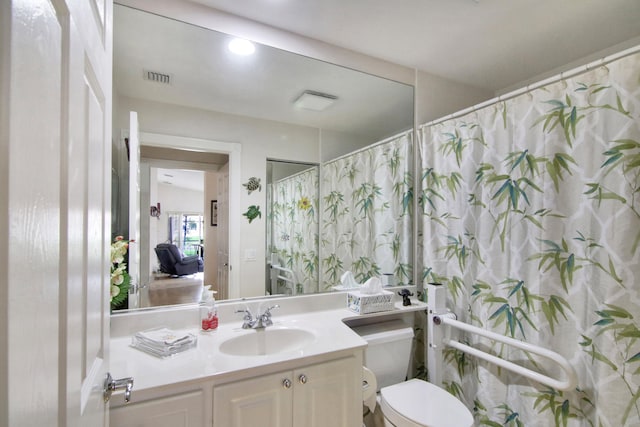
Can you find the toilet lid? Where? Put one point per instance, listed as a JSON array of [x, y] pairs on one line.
[[417, 402]]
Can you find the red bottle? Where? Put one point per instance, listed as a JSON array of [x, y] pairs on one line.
[[208, 315]]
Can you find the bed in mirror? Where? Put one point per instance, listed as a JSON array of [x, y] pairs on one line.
[[185, 85]]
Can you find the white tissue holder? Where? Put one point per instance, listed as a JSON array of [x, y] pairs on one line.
[[362, 303]]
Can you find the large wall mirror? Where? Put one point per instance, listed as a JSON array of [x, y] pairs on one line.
[[350, 130]]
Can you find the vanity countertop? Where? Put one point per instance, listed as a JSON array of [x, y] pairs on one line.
[[207, 362]]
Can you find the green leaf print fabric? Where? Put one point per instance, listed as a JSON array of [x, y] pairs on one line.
[[530, 214], [294, 229], [367, 200]]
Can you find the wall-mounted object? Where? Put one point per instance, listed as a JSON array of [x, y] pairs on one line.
[[214, 213], [252, 213], [154, 211], [252, 185]]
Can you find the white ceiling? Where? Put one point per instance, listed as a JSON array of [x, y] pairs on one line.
[[181, 178], [205, 75], [490, 44]]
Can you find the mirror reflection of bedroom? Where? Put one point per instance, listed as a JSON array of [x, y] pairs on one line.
[[181, 195]]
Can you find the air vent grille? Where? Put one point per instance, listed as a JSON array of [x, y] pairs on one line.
[[156, 76]]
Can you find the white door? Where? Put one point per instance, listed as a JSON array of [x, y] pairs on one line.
[[55, 190], [134, 209], [223, 233]]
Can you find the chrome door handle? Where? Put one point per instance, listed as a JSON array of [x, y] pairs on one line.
[[303, 379], [111, 385], [286, 383]]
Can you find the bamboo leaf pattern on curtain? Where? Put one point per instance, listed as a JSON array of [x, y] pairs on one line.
[[294, 228], [367, 200], [531, 216]]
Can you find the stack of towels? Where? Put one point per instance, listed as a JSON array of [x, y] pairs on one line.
[[163, 342]]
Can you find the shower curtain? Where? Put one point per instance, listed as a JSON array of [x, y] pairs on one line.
[[294, 228], [366, 220], [530, 214]]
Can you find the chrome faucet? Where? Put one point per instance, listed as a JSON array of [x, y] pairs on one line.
[[248, 319], [261, 321], [264, 319]]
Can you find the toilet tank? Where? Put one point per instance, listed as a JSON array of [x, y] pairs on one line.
[[388, 351]]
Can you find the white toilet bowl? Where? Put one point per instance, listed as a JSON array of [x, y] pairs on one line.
[[416, 403], [413, 403]]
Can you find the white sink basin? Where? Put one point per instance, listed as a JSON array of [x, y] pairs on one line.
[[268, 341]]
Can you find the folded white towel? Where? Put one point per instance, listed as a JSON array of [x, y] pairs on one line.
[[163, 336]]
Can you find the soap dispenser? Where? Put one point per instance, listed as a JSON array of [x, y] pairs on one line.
[[208, 314]]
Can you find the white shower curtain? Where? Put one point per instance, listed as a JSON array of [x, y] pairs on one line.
[[366, 220], [531, 217]]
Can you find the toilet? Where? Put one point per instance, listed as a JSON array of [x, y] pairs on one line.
[[413, 403]]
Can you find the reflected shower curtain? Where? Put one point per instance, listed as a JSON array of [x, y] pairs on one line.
[[294, 228], [366, 220], [531, 217]]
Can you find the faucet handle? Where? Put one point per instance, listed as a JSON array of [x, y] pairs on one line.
[[267, 312], [247, 318], [245, 311], [247, 314], [266, 316]]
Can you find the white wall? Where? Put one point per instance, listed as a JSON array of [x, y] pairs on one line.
[[335, 144], [176, 199], [437, 97]]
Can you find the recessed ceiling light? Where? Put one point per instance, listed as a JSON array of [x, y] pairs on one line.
[[316, 101], [241, 47]]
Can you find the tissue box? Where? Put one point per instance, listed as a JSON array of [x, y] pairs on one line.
[[369, 303]]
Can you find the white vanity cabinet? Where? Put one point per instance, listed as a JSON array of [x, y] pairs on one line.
[[323, 394], [180, 410]]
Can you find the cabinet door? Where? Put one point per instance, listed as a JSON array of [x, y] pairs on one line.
[[264, 401], [328, 394], [185, 410]]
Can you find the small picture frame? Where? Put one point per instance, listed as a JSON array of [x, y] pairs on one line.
[[214, 213]]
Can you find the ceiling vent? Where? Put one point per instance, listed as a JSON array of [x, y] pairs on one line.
[[157, 77], [315, 101]]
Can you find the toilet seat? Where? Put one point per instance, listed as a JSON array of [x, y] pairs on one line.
[[419, 403]]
